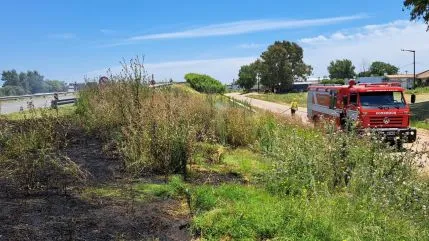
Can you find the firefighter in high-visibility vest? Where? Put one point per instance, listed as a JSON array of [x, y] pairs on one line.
[[293, 107]]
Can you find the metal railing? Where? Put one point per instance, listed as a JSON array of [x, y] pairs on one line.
[[17, 97], [55, 103]]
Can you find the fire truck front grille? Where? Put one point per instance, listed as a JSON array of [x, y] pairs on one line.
[[381, 121]]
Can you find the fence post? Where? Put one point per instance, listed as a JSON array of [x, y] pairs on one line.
[[54, 102]]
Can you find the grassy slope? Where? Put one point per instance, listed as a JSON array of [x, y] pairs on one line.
[[248, 211], [301, 98], [420, 115], [235, 211], [39, 113]]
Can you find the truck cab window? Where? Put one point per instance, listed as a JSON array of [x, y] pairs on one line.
[[353, 99]]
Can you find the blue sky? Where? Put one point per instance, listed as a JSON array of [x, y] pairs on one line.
[[67, 40]]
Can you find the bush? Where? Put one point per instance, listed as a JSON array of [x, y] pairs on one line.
[[204, 83], [333, 81]]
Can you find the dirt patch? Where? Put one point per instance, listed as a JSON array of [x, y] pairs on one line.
[[55, 217], [89, 152], [49, 215]]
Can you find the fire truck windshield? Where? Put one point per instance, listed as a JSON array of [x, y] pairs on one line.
[[382, 99]]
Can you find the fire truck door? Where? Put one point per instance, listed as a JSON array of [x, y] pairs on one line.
[[352, 112]]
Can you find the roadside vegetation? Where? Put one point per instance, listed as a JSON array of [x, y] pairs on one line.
[[420, 115], [204, 83], [419, 90], [134, 162], [301, 98]]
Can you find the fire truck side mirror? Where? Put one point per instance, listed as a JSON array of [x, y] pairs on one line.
[[413, 98]]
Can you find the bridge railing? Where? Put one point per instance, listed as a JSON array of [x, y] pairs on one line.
[[17, 97]]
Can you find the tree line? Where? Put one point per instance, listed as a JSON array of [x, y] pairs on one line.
[[29, 82], [282, 64]]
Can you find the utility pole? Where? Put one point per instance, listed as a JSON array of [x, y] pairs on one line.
[[258, 78], [414, 62]]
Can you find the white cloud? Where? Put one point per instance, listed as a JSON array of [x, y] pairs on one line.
[[250, 46], [362, 45], [64, 36], [224, 69], [369, 43], [319, 38], [242, 27]]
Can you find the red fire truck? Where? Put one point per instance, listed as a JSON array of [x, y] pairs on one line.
[[379, 107]]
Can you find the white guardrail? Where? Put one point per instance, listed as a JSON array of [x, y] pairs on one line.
[[17, 97]]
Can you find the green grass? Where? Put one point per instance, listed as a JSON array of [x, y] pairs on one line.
[[234, 212], [419, 90], [140, 191], [40, 113], [246, 162], [420, 115], [301, 98]]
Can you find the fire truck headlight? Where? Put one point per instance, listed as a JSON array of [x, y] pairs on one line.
[[412, 133]]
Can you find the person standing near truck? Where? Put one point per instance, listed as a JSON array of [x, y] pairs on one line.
[[293, 107]]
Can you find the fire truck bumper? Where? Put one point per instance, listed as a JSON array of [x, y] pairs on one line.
[[407, 135]]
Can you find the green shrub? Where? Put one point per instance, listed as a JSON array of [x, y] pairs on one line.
[[204, 83], [333, 81]]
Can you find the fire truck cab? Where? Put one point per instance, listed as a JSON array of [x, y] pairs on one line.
[[378, 107]]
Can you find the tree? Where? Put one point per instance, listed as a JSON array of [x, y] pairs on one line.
[[419, 10], [28, 82], [11, 90], [55, 86], [35, 82], [380, 68], [364, 74], [333, 81], [282, 64], [341, 69], [10, 78], [247, 76]]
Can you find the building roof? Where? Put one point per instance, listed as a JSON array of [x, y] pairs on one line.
[[423, 75], [400, 76]]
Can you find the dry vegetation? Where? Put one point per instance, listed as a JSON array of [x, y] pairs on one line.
[[137, 163]]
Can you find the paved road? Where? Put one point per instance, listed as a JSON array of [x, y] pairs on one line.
[[421, 146], [7, 107], [270, 106]]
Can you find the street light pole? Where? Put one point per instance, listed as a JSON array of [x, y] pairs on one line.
[[414, 62], [258, 78]]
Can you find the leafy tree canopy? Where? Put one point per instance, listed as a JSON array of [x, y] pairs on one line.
[[28, 82], [281, 64], [419, 10], [247, 76], [380, 68], [341, 69]]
